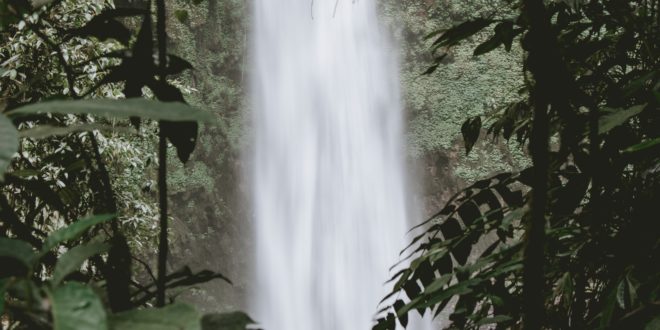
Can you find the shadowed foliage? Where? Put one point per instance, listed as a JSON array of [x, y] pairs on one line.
[[60, 268], [570, 243]]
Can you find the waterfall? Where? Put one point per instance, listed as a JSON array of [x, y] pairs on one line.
[[328, 163]]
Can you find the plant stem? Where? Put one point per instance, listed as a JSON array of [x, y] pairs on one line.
[[542, 62], [162, 161], [162, 243]]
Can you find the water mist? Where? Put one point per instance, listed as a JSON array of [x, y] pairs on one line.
[[328, 175]]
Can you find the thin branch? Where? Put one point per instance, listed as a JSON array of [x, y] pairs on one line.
[[162, 161], [146, 266]]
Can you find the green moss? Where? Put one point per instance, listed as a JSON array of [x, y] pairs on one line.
[[188, 178], [438, 104]]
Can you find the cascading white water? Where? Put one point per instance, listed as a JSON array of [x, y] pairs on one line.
[[328, 174]]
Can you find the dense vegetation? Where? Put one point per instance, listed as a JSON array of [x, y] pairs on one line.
[[565, 240], [571, 242], [74, 221]]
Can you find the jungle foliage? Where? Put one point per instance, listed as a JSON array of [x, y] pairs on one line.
[[571, 242], [66, 262]]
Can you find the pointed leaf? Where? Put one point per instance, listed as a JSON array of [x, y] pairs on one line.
[[616, 117], [462, 31], [72, 260], [74, 230], [471, 130], [125, 108]]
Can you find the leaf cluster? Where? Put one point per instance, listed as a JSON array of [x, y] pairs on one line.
[[59, 272], [601, 242]]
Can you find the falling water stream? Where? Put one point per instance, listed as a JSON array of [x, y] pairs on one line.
[[328, 174]]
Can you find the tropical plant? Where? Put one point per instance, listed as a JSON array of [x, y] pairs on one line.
[[570, 243], [62, 273]]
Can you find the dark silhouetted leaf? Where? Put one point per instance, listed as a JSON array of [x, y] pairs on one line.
[[176, 65], [644, 145], [471, 130], [226, 321], [459, 32], [104, 28]]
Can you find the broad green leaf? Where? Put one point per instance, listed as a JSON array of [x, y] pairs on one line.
[[126, 108], [18, 250], [226, 321], [494, 319], [74, 230], [644, 145], [173, 317], [8, 143], [45, 131], [77, 307], [615, 117], [74, 258], [622, 294]]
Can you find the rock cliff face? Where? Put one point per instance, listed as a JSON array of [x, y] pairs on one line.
[[211, 215]]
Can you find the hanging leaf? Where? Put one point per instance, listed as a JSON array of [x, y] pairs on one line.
[[74, 230], [615, 117], [176, 65], [226, 321], [72, 260], [471, 130], [173, 317], [643, 146], [493, 320], [46, 131], [504, 34], [488, 45], [8, 143], [183, 135], [459, 32], [125, 108], [103, 28]]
